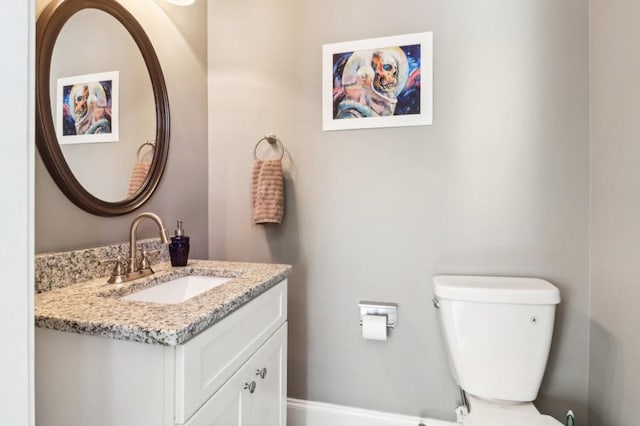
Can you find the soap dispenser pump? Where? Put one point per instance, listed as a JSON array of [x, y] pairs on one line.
[[179, 247]]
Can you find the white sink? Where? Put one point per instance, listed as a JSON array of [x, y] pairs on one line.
[[178, 290]]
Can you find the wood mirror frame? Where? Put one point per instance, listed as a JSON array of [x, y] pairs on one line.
[[48, 26]]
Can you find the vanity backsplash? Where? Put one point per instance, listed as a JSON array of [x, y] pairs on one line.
[[57, 270]]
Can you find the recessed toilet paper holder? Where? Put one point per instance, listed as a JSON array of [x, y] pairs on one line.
[[389, 310]]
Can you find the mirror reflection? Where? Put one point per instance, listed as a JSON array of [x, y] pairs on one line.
[[103, 105]]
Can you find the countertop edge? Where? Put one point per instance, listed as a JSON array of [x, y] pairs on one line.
[[275, 273]]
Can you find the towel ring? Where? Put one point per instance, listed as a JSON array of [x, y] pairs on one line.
[[272, 139], [150, 143]]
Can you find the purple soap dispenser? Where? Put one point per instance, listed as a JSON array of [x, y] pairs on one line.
[[179, 247]]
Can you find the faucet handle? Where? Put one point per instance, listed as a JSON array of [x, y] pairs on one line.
[[118, 273], [146, 255]]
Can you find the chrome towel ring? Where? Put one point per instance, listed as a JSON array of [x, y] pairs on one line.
[[273, 140], [150, 143]]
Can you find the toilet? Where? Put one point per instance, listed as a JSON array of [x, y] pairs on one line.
[[497, 333]]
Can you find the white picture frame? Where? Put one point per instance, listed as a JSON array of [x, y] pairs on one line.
[[87, 108], [358, 88]]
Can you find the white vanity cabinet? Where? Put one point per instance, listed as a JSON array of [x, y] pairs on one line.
[[231, 374]]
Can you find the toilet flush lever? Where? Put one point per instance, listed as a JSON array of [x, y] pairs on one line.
[[436, 302]]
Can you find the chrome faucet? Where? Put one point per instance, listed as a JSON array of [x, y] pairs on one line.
[[140, 269]]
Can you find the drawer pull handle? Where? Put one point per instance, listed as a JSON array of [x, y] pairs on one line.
[[262, 373], [251, 386]]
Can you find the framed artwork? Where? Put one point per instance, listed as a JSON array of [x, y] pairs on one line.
[[87, 108], [380, 82]]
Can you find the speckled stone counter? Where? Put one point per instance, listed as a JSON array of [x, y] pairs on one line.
[[62, 269], [95, 308]]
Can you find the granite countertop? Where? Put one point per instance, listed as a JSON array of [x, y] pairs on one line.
[[95, 308]]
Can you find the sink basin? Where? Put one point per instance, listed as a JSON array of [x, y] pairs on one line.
[[178, 290]]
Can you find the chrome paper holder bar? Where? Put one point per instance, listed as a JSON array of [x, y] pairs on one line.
[[389, 310]]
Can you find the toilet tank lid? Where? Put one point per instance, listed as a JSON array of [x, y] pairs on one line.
[[516, 290]]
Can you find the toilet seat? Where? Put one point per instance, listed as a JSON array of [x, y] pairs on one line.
[[512, 419], [486, 413], [506, 417]]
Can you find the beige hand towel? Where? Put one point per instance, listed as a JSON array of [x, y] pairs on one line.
[[138, 175], [267, 192]]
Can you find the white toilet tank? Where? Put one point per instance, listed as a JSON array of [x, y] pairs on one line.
[[498, 333]]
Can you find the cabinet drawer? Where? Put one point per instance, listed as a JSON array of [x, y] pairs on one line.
[[204, 363]]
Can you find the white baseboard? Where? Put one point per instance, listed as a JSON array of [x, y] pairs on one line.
[[309, 413]]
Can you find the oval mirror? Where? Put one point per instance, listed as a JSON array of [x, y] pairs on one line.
[[102, 111]]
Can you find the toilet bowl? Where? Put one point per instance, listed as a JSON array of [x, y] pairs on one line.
[[498, 333]]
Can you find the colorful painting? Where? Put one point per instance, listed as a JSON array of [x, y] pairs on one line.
[[380, 82], [87, 109]]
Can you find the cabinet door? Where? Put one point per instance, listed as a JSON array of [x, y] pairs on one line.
[[268, 402], [248, 399], [230, 406], [206, 362]]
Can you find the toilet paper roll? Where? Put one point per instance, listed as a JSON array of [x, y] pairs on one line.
[[374, 327]]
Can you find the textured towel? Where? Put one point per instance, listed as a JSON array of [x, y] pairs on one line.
[[138, 175], [267, 192]]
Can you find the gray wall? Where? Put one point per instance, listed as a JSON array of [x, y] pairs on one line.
[[178, 35], [614, 379], [498, 185]]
